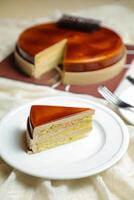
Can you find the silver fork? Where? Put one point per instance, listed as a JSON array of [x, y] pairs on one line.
[[113, 99]]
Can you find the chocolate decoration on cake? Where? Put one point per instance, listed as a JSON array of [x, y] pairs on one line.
[[78, 23]]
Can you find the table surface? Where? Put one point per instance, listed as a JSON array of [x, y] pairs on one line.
[[42, 8]]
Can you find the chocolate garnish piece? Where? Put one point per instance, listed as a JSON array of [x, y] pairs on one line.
[[79, 23]]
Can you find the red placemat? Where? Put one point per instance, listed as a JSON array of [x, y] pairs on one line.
[[8, 69]]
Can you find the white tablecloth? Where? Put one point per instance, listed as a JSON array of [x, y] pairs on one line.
[[116, 183]]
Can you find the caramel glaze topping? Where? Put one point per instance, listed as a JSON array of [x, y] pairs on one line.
[[40, 115], [85, 51]]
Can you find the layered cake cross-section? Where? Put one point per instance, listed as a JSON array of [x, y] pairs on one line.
[[51, 126]]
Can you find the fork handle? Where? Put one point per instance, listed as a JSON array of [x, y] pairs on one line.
[[130, 79], [130, 109]]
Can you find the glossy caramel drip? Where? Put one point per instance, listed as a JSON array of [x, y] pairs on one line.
[[40, 114], [92, 50]]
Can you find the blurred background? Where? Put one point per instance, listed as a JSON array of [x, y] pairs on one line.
[[27, 9]]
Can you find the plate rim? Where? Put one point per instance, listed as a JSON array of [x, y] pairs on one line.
[[116, 158]]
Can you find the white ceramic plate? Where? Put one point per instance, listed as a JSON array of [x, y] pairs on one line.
[[104, 146], [128, 96]]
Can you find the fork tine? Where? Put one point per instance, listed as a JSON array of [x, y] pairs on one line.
[[112, 98], [108, 95], [111, 95]]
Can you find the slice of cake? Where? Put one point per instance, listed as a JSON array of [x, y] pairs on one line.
[[50, 126]]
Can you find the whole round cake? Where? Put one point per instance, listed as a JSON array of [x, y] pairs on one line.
[[86, 56]]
